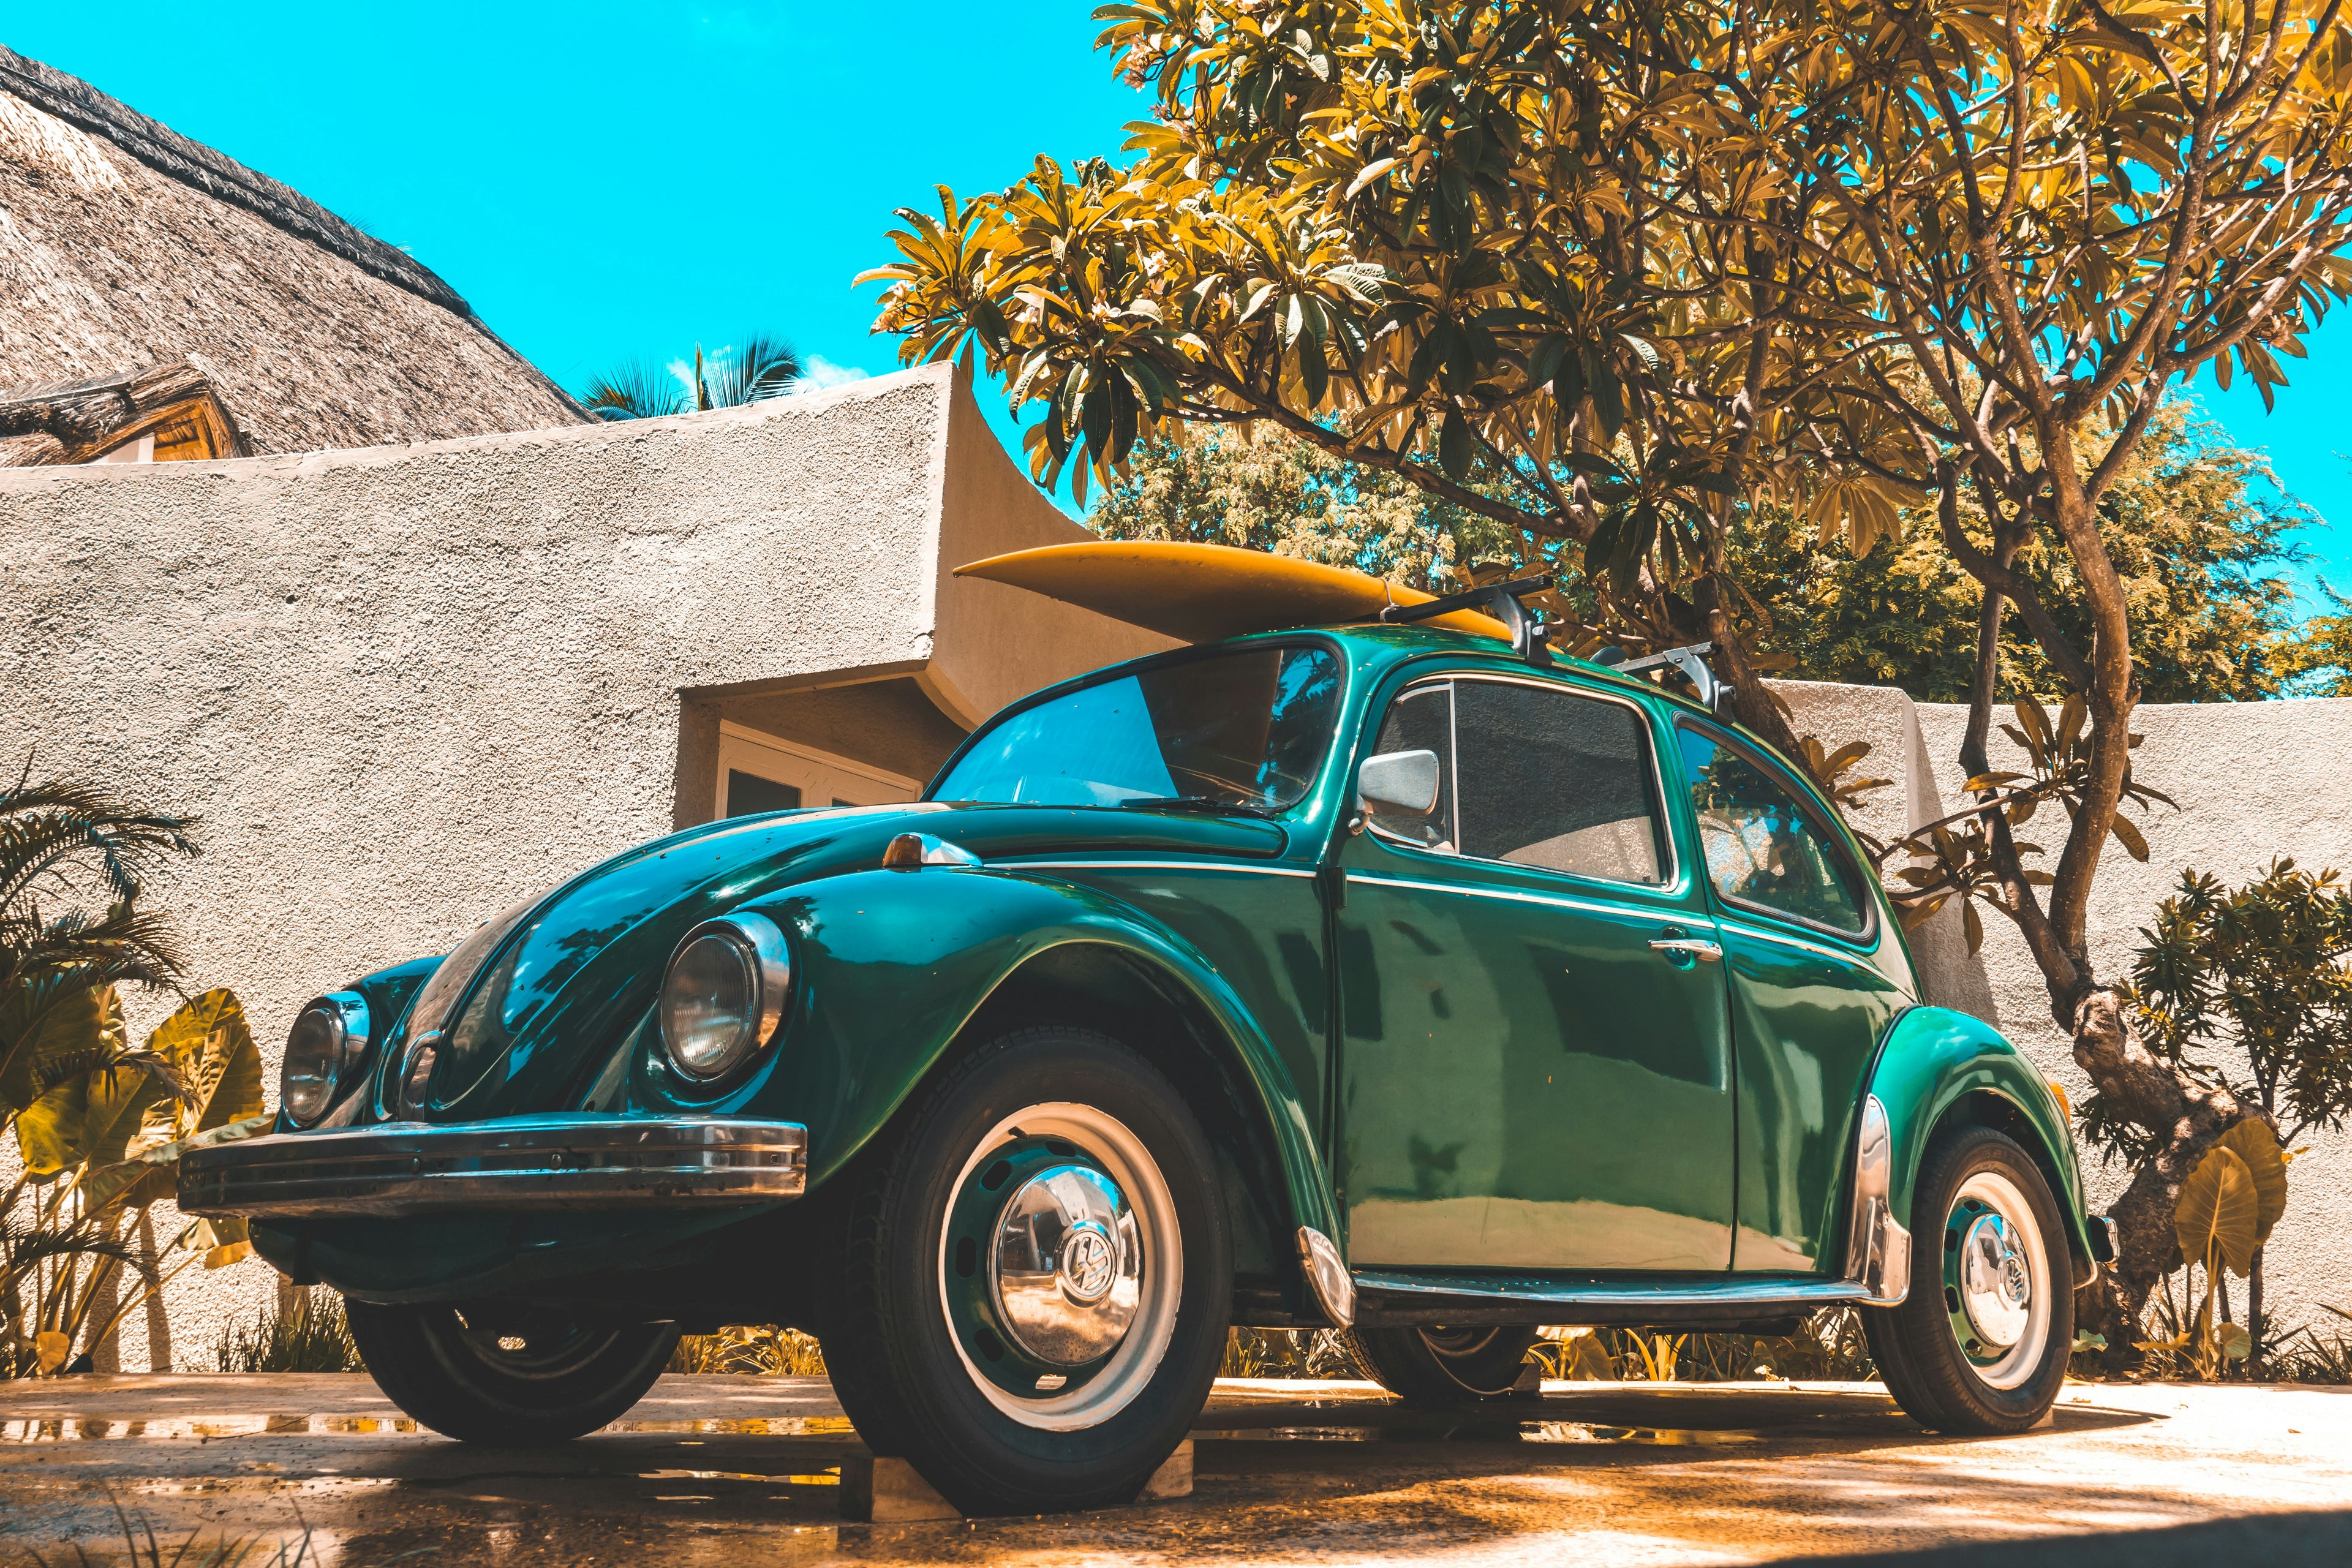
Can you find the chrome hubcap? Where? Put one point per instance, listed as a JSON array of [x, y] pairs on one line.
[[1061, 1266], [1996, 1290], [1067, 1267]]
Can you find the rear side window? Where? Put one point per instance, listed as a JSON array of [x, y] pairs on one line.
[[1533, 776], [1763, 848]]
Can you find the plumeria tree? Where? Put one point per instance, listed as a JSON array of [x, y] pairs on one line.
[[1646, 269]]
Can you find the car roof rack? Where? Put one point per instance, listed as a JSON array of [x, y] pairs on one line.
[[1690, 663], [1500, 600]]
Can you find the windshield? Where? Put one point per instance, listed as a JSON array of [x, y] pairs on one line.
[[1246, 729]]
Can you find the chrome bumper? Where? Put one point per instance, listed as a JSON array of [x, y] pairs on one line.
[[517, 1163]]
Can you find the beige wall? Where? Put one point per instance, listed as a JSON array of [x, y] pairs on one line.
[[406, 686]]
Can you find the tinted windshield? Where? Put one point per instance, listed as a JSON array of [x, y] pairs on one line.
[[1245, 728]]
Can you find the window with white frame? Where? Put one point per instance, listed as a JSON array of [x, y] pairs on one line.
[[759, 772]]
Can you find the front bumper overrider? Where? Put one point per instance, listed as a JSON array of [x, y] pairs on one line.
[[519, 1163]]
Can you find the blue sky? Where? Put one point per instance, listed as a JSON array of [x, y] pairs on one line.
[[606, 181]]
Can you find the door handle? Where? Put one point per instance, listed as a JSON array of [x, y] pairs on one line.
[[1703, 951]]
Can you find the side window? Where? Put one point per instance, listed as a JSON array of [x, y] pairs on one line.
[[1554, 779], [1421, 720], [1763, 849]]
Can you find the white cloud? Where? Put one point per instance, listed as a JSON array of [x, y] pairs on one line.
[[824, 376]]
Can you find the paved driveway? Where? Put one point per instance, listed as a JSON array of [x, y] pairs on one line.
[[741, 1470]]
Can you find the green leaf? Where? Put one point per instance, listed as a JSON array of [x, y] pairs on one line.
[[1453, 447]]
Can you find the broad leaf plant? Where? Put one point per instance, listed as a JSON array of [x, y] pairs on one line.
[[98, 1126]]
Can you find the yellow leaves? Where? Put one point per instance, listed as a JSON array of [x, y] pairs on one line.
[[50, 1349], [2257, 1147], [1869, 509], [2218, 1212], [209, 1050], [1367, 173]]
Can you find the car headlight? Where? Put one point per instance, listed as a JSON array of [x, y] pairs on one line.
[[723, 996], [328, 1035]]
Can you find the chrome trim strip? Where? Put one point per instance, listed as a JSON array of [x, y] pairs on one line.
[[1268, 869], [1742, 1293], [1763, 933], [566, 1162], [1550, 901]]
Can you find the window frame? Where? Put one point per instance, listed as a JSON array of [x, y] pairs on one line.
[[1670, 872], [764, 755], [1823, 822]]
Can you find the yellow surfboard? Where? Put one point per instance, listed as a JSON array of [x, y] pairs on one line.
[[1205, 593]]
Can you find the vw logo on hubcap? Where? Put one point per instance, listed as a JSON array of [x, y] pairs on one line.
[[1089, 1264], [1067, 1267]]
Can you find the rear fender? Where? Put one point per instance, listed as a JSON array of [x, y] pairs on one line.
[[1938, 1067]]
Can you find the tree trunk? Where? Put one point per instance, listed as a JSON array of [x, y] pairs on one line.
[[1749, 701], [2186, 1116]]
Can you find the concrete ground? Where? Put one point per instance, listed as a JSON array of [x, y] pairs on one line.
[[736, 1469]]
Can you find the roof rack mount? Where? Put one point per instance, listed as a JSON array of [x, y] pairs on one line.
[[1500, 600], [1689, 662]]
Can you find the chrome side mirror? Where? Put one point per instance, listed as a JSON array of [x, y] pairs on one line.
[[1402, 783]]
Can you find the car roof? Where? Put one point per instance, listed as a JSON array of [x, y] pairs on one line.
[[1375, 649]]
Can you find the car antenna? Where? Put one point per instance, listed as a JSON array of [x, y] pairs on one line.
[[1690, 662], [1500, 600]]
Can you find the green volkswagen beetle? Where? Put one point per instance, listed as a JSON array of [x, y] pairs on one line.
[[1389, 978]]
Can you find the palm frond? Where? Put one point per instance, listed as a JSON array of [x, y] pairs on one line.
[[636, 390], [48, 828], [125, 946], [762, 365]]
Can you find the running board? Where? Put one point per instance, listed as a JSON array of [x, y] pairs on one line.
[[1395, 1297]]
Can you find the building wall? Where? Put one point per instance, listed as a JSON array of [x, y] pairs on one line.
[[2253, 781], [405, 687]]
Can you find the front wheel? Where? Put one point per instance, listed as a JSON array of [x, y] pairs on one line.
[[507, 1374], [1980, 1344], [1036, 1277], [1443, 1367]]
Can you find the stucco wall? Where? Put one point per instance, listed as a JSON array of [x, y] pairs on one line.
[[2253, 781], [405, 687]]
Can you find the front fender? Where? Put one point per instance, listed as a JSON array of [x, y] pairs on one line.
[[1937, 1066], [892, 965]]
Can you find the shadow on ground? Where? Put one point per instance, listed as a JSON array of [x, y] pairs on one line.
[[709, 1469]]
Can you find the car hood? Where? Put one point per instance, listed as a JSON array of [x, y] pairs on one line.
[[581, 968]]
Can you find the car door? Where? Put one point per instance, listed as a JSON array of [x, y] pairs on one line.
[[1816, 976], [1526, 1079]]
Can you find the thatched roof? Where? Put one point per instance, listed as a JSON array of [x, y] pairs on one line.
[[125, 246], [80, 420]]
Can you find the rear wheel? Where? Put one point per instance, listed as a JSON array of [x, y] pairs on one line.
[[1443, 1366], [1981, 1342], [508, 1374], [1036, 1279]]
